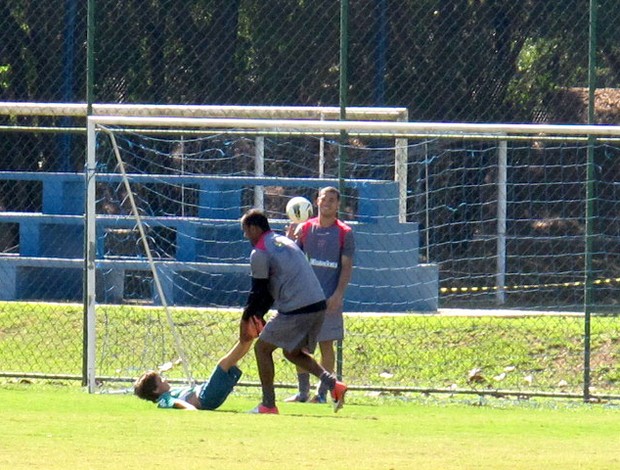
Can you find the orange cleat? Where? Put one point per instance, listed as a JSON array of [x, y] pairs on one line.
[[264, 410], [338, 393]]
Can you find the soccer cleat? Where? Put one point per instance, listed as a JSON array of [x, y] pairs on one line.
[[338, 393], [264, 410], [297, 398]]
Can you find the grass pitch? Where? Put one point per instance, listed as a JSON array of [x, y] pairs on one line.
[[59, 427]]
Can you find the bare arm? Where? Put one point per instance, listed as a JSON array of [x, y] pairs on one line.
[[183, 405], [336, 300], [293, 231]]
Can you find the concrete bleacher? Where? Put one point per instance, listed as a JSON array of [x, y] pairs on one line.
[[209, 249]]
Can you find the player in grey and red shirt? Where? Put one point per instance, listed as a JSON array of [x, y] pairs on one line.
[[329, 245], [282, 277]]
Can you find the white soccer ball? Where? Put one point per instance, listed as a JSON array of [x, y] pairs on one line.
[[299, 209]]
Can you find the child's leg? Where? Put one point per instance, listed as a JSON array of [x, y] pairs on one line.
[[233, 356]]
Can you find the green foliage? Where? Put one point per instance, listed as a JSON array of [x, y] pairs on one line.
[[5, 70], [543, 67], [449, 60]]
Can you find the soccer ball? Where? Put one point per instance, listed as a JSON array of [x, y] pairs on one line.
[[299, 209]]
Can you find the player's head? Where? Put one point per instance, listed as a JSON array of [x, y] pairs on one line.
[[330, 190], [150, 386], [328, 201], [254, 223]]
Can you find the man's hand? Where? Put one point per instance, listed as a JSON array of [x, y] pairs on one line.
[[251, 328], [291, 231], [334, 303]]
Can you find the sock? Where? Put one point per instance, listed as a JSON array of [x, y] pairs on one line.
[[322, 390], [269, 397], [304, 385], [328, 380]]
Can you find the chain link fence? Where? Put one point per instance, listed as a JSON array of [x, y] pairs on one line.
[[456, 60], [468, 61]]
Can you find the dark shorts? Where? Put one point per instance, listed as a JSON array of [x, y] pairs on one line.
[[215, 391], [293, 331], [333, 327]]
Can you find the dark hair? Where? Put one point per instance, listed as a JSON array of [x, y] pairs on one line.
[[256, 218], [145, 386]]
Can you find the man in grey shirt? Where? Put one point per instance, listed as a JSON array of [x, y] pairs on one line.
[[283, 278]]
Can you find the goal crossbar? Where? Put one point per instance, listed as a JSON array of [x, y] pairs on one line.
[[363, 127]]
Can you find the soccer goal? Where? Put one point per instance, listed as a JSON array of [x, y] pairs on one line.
[[163, 209]]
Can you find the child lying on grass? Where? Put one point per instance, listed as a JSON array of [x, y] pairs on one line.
[[212, 393]]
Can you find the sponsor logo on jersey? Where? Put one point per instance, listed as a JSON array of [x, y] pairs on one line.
[[323, 263]]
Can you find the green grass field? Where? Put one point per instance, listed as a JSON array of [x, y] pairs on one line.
[[379, 351], [60, 427]]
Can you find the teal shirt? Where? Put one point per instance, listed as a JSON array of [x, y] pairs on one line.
[[166, 400]]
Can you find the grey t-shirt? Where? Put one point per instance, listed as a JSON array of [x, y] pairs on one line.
[[292, 282]]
